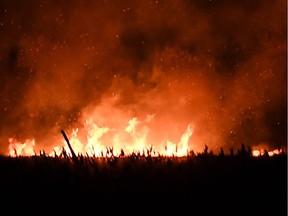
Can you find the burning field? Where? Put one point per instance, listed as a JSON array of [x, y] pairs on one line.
[[157, 100], [143, 72]]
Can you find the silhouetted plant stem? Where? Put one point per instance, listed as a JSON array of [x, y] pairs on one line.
[[74, 157]]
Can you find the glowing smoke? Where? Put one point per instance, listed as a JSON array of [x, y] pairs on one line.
[[218, 64]]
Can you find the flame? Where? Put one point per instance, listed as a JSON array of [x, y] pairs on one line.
[[98, 141], [93, 145], [262, 152], [132, 139], [182, 148], [17, 148]]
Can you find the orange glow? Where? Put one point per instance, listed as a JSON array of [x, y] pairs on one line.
[[127, 76], [17, 148], [261, 152], [132, 139], [256, 153]]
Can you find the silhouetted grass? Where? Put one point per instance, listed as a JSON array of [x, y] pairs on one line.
[[200, 184]]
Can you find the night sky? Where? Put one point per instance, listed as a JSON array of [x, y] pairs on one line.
[[218, 65]]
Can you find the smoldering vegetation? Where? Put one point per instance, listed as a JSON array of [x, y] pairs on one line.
[[201, 183]]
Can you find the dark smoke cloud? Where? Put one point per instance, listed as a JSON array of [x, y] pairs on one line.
[[219, 64]]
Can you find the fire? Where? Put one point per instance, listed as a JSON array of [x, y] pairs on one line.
[[133, 139], [261, 152], [18, 148], [99, 135], [182, 148]]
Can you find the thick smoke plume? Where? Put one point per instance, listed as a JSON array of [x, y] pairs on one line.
[[219, 65]]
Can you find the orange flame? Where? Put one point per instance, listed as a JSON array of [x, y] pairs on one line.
[[261, 152], [17, 148], [130, 140], [93, 145]]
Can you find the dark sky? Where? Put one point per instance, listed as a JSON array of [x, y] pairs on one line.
[[219, 65]]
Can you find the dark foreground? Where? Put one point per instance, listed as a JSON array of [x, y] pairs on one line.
[[194, 185]]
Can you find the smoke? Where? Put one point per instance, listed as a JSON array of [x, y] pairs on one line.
[[218, 65]]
